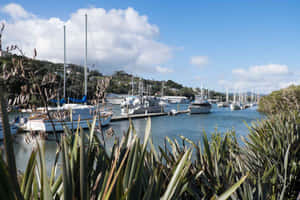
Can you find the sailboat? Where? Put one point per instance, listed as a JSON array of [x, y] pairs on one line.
[[235, 105], [68, 115], [226, 103]]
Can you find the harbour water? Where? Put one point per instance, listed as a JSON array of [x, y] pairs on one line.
[[190, 126]]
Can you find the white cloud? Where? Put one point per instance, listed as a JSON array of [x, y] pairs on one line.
[[118, 39], [199, 60], [15, 11], [262, 70], [266, 78], [163, 70]]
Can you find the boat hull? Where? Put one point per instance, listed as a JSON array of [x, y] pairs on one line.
[[199, 109], [141, 110], [235, 107], [115, 101], [223, 105], [47, 126]]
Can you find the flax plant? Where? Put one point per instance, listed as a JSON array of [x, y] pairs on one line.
[[133, 170]]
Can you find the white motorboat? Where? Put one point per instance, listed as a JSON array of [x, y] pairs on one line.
[[173, 112], [235, 106], [200, 105], [223, 104]]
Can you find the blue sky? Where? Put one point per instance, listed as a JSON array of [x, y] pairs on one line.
[[245, 44]]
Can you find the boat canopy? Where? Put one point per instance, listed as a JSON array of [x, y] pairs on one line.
[[83, 100], [62, 101]]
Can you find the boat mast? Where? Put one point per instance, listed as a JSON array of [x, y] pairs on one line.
[[207, 95], [227, 97], [234, 96], [132, 85], [201, 91], [65, 61], [162, 88], [85, 59]]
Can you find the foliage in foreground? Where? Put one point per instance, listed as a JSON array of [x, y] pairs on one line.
[[265, 167]]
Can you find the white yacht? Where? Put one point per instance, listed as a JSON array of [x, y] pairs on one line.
[[223, 104], [200, 106], [61, 118], [235, 106]]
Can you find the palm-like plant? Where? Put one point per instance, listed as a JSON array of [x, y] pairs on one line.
[[272, 155], [133, 170]]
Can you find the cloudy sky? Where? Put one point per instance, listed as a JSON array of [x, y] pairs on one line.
[[240, 45]]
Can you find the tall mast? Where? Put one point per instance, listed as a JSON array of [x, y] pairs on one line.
[[162, 88], [85, 59], [132, 85], [234, 96], [207, 94], [65, 58], [227, 96], [202, 91]]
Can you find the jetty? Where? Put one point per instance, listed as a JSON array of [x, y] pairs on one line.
[[144, 115]]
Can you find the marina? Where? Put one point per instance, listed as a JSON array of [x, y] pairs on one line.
[[132, 100], [163, 125]]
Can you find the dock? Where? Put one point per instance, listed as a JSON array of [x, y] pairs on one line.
[[144, 115]]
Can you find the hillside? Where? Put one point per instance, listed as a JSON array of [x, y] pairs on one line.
[[120, 82], [284, 100]]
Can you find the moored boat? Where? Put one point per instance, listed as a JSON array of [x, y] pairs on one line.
[[62, 119], [223, 104], [235, 106], [115, 99], [141, 105], [200, 105]]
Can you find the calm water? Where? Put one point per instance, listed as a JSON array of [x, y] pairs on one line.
[[190, 126]]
